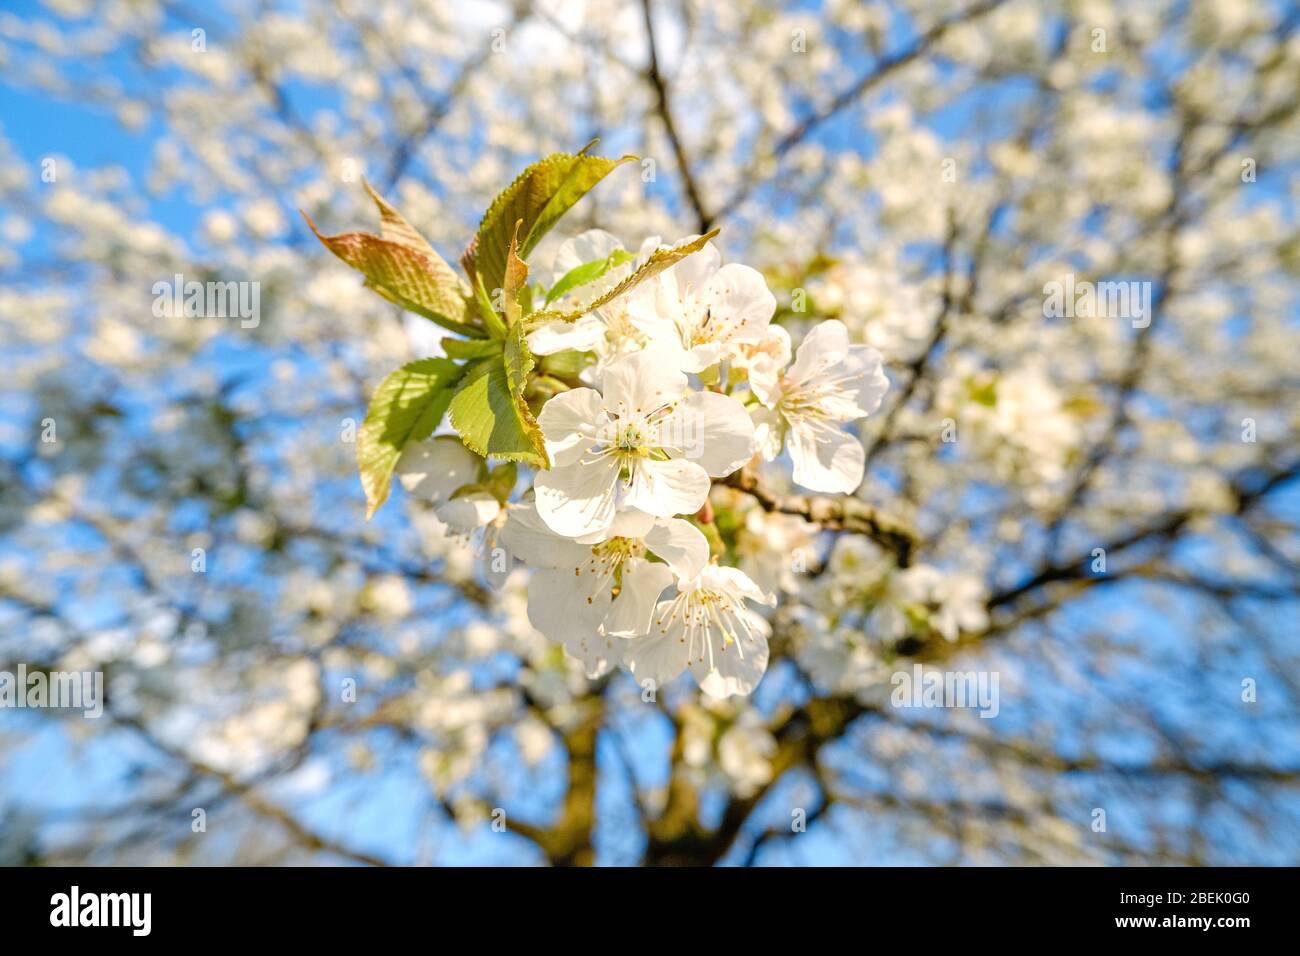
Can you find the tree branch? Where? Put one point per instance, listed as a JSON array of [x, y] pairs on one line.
[[704, 220]]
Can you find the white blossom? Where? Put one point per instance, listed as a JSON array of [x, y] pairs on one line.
[[831, 382], [709, 628], [586, 595], [644, 441], [702, 310]]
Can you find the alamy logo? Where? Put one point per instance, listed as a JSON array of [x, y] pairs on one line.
[[209, 300], [56, 690], [1121, 299], [103, 909], [973, 689]]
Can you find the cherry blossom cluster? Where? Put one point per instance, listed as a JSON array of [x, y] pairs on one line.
[[686, 381]]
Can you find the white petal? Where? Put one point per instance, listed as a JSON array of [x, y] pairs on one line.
[[668, 306], [776, 343], [668, 488], [769, 431], [631, 523], [643, 583], [826, 344], [642, 309], [825, 458], [527, 537], [711, 429], [557, 610], [578, 499], [585, 247], [691, 275], [657, 657], [553, 610], [581, 336], [649, 246], [737, 581], [681, 544], [435, 468], [766, 365], [598, 655], [627, 523], [860, 385], [739, 302], [642, 382], [701, 357], [465, 513], [571, 423], [736, 669]]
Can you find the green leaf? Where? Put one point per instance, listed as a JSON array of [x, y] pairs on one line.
[[471, 348], [406, 407], [403, 268], [502, 481], [541, 194], [659, 260], [489, 410], [587, 272], [516, 279], [495, 325], [566, 364], [518, 360]]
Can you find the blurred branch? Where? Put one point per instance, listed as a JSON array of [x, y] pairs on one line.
[[855, 91], [844, 513], [436, 110], [704, 221], [1245, 492], [247, 793]]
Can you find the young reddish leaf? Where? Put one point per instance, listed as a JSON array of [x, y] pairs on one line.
[[406, 270]]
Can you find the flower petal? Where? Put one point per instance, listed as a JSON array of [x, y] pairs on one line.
[[860, 385], [680, 544], [465, 513], [737, 581], [826, 344], [556, 611], [826, 458], [585, 247], [571, 423], [710, 429], [700, 357], [769, 431], [631, 523], [739, 302], [578, 499], [690, 276], [766, 363], [575, 624], [668, 488], [738, 667], [435, 468], [581, 336], [657, 657], [527, 537], [643, 583], [639, 383]]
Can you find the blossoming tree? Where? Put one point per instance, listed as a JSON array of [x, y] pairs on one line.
[[693, 540]]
